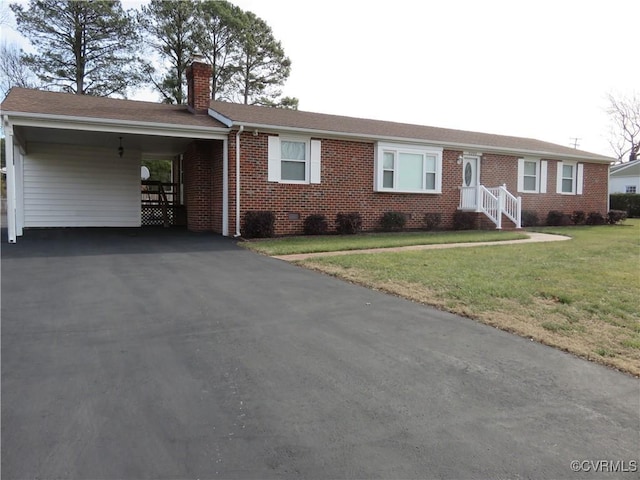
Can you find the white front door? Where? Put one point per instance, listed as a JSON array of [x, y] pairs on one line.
[[471, 172], [470, 182]]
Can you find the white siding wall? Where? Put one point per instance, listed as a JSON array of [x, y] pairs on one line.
[[71, 186], [619, 184]]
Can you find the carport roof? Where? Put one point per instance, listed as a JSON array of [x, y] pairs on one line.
[[22, 101]]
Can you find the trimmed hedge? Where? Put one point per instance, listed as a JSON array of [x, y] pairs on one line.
[[556, 218], [529, 218], [432, 220], [348, 223], [393, 221], [595, 218], [629, 202], [259, 224], [578, 217], [616, 216], [315, 224]]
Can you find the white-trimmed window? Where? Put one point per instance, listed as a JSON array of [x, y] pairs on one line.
[[294, 159], [630, 189], [532, 175], [408, 168], [569, 178]]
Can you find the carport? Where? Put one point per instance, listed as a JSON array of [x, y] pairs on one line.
[[74, 161]]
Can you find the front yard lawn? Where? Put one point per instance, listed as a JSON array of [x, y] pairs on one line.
[[580, 296], [334, 243]]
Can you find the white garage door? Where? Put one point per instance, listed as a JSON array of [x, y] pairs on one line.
[[71, 186]]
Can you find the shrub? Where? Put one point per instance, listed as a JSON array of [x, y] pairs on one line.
[[595, 218], [616, 216], [432, 220], [258, 224], [393, 221], [578, 217], [315, 224], [464, 220], [556, 218], [529, 218], [629, 202], [348, 223]]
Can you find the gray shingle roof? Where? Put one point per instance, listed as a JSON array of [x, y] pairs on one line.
[[38, 102], [251, 115], [23, 100]]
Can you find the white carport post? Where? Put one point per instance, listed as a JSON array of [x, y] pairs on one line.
[[11, 181]]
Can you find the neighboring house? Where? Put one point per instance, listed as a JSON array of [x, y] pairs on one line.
[[625, 177], [65, 168]]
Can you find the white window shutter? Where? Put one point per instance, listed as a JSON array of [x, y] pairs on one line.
[[377, 168], [274, 159], [559, 178], [543, 176], [439, 173], [520, 174], [315, 168], [579, 178]]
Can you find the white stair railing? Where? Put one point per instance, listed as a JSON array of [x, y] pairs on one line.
[[489, 204], [511, 206], [493, 202], [468, 198]]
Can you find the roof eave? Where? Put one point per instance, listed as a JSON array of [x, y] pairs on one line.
[[623, 166], [109, 125], [457, 145]]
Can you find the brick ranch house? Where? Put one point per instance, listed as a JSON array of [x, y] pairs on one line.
[[64, 168]]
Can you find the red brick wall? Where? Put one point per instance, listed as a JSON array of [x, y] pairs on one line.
[[202, 164], [347, 186], [216, 215], [500, 169]]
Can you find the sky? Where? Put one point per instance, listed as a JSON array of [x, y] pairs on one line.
[[528, 68]]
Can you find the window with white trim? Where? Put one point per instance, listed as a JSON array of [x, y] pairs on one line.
[[293, 159], [293, 155], [532, 175], [569, 178], [630, 189], [408, 168]]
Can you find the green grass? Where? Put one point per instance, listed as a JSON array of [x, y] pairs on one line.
[[334, 243], [580, 295]]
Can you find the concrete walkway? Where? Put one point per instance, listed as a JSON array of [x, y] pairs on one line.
[[534, 237]]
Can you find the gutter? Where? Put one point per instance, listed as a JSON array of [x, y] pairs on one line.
[[425, 141], [114, 125], [238, 181]]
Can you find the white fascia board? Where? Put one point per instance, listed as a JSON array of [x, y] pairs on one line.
[[421, 141], [221, 118], [109, 125]]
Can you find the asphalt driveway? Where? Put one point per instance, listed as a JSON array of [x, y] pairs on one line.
[[129, 354]]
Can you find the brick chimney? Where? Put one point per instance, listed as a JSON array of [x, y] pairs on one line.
[[198, 85]]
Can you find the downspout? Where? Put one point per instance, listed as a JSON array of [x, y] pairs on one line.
[[11, 181], [608, 187], [238, 181]]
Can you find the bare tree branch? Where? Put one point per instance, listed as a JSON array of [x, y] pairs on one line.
[[13, 71], [624, 112]]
